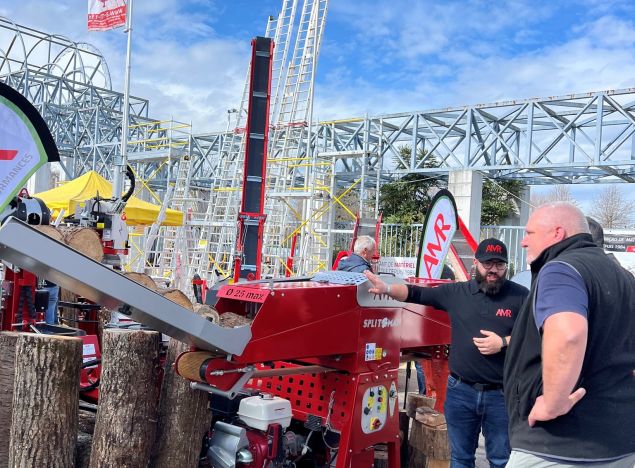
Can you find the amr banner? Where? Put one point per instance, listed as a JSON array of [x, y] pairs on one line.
[[106, 14], [438, 230], [25, 143]]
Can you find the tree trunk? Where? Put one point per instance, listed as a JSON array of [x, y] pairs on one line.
[[429, 435], [183, 415], [126, 415], [7, 375], [68, 315], [45, 401]]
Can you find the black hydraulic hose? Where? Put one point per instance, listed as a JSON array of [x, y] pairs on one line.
[[131, 178]]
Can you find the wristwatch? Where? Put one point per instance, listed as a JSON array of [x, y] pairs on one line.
[[505, 342]]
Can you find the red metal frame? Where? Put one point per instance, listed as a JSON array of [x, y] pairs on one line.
[[299, 323], [16, 284], [289, 270]]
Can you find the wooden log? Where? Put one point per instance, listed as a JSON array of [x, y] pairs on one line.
[[142, 279], [8, 341], [430, 417], [432, 441], [437, 463], [414, 401], [177, 297], [68, 315], [104, 317], [184, 416], [84, 240], [51, 231], [208, 312], [45, 401], [416, 459], [126, 416]]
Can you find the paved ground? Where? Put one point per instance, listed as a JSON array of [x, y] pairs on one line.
[[481, 461]]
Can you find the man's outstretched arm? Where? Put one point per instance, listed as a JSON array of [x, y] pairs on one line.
[[396, 291]]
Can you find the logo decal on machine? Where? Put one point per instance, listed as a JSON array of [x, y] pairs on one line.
[[381, 323]]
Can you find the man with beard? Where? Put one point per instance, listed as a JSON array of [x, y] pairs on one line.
[[482, 313]]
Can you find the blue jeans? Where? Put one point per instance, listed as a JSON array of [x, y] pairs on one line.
[[467, 411], [50, 316], [421, 378]]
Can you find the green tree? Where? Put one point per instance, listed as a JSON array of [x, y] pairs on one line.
[[500, 200], [406, 201]]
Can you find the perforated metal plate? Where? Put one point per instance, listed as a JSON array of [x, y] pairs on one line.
[[340, 277]]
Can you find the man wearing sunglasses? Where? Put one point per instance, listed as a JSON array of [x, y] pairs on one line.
[[482, 313]]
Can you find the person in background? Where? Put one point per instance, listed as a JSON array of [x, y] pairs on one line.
[[597, 233], [482, 313], [569, 374], [359, 260], [53, 289]]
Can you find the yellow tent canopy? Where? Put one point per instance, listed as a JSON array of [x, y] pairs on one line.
[[77, 191]]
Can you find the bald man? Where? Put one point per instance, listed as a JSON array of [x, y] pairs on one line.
[[569, 372]]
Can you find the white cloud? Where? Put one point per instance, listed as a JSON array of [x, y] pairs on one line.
[[179, 62]]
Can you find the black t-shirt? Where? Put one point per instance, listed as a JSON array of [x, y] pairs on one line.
[[471, 311]]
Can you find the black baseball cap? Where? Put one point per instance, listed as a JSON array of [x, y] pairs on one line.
[[491, 249]]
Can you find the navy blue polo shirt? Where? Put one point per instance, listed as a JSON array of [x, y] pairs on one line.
[[471, 311]]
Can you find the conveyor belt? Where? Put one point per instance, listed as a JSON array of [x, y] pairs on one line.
[[26, 247]]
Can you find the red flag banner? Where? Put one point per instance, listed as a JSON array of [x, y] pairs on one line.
[[106, 14]]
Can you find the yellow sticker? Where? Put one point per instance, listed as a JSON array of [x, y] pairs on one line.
[[378, 354]]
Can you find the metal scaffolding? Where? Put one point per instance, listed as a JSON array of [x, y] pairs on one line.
[[573, 139]]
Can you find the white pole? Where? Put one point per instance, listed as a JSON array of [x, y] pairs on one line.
[[120, 167]]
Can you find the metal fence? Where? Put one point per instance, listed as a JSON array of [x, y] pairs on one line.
[[398, 240]]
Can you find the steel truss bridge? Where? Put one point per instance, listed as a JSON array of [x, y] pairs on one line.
[[572, 139]]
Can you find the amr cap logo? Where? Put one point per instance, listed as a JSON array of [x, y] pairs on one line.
[[7, 155], [494, 248], [504, 313]]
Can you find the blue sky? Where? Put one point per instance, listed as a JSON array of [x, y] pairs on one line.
[[377, 56]]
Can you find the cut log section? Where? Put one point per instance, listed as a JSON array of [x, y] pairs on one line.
[[142, 279], [126, 417], [208, 312], [177, 297], [51, 231], [45, 401], [84, 240]]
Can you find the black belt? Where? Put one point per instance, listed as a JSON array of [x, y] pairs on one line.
[[481, 387]]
